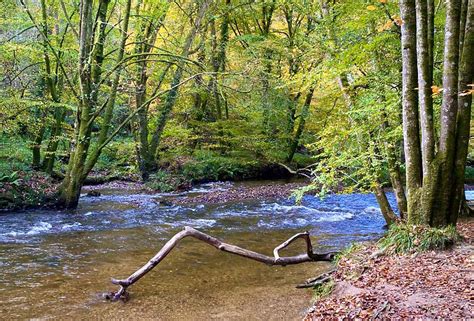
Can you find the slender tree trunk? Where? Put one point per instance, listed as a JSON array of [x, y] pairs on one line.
[[268, 9], [396, 180], [304, 114], [89, 77], [50, 155], [170, 99], [384, 205], [36, 148], [424, 87], [410, 111], [109, 108], [146, 38], [449, 110], [466, 75]]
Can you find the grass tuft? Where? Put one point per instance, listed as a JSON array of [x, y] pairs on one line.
[[403, 238], [323, 290], [347, 252]]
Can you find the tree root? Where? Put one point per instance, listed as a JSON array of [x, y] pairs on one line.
[[321, 279], [309, 256]]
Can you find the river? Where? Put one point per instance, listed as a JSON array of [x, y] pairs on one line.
[[57, 264]]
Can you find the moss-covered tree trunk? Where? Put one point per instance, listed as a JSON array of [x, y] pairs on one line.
[[302, 118], [435, 180], [385, 207], [172, 95], [91, 56]]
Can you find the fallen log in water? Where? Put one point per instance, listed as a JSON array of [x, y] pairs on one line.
[[309, 256]]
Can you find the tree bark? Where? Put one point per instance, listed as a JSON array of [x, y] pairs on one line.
[[410, 110], [110, 103], [89, 77], [466, 77], [424, 86], [173, 93], [385, 207], [304, 114], [449, 110], [396, 180]]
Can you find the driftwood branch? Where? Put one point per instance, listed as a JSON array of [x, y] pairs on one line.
[[309, 256]]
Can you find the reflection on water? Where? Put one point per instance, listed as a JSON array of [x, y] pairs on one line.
[[56, 263]]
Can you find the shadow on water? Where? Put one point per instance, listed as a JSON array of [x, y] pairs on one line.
[[56, 263]]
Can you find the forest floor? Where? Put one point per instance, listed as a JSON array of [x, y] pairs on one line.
[[429, 285]]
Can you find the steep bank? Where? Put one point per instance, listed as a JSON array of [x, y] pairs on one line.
[[435, 284]]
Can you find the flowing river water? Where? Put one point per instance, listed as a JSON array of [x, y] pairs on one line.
[[57, 264]]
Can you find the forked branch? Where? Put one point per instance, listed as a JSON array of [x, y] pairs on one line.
[[309, 256]]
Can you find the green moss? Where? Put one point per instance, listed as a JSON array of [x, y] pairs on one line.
[[323, 290], [403, 238]]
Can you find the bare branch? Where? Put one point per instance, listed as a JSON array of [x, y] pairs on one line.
[[310, 256]]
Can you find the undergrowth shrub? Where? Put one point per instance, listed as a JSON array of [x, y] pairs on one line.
[[403, 238], [118, 157], [164, 181], [209, 166]]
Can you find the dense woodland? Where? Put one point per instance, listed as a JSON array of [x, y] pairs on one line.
[[359, 95]]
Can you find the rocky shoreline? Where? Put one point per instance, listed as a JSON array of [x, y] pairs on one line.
[[244, 192]]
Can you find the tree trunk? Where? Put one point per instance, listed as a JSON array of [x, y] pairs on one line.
[[89, 78], [173, 93], [396, 180], [449, 110], [385, 207], [424, 87], [110, 103], [146, 38], [50, 155], [304, 114], [410, 111], [466, 75], [36, 148]]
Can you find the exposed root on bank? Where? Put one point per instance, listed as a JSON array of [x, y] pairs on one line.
[[321, 279], [309, 256]]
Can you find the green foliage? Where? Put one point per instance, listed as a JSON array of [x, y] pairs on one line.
[[13, 179], [209, 166], [165, 182], [469, 175], [118, 157], [228, 124], [404, 238], [15, 155]]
